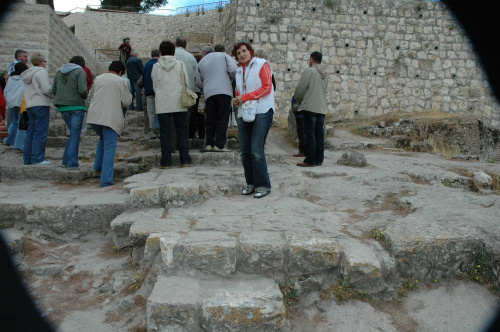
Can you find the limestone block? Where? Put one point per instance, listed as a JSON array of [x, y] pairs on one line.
[[121, 225], [360, 266], [174, 305], [210, 251], [168, 244], [352, 158], [260, 252], [246, 305], [482, 180], [180, 194], [311, 254], [10, 214], [143, 228], [145, 196]]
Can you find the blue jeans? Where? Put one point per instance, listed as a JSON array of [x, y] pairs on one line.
[[105, 154], [252, 137], [314, 132], [36, 135], [136, 93], [16, 136], [74, 121], [181, 130]]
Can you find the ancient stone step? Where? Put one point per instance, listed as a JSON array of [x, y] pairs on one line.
[[189, 304], [73, 212], [196, 144], [56, 173], [60, 141]]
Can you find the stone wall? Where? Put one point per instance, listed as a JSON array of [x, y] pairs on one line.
[[36, 28], [226, 31], [381, 55], [106, 30]]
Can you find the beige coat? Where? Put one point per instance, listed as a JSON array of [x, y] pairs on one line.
[[107, 97], [167, 84]]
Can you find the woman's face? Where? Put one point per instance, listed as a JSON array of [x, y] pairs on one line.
[[243, 55]]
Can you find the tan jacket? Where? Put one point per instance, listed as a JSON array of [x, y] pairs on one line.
[[167, 84], [107, 97]]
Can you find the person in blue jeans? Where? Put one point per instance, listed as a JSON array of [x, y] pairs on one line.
[[311, 95], [14, 95], [70, 91], [135, 68], [254, 82], [38, 96], [107, 97]]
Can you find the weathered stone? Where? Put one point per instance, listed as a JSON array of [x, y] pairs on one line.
[[47, 270], [245, 305], [261, 253], [360, 266], [210, 251], [145, 196], [482, 180], [141, 229], [180, 194], [174, 305], [352, 158], [422, 147], [311, 254]]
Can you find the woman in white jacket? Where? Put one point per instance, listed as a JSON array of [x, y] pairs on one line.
[[167, 84], [37, 91], [14, 92], [254, 84]]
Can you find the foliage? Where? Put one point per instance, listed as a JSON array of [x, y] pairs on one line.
[[290, 296], [345, 291], [133, 5]]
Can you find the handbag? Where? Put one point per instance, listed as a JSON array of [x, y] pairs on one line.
[[248, 110], [188, 97], [23, 121]]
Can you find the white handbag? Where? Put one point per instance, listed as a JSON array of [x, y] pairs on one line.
[[248, 110]]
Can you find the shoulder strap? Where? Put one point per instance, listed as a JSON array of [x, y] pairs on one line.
[[183, 75]]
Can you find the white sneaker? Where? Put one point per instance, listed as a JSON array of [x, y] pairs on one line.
[[209, 148], [45, 162], [216, 149]]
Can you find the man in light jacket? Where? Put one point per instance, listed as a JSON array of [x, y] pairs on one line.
[[215, 72], [310, 94], [167, 84], [38, 94], [107, 97]]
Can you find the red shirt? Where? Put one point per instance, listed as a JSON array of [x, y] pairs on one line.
[[266, 88], [90, 80]]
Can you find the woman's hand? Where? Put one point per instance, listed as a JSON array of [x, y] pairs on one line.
[[237, 101]]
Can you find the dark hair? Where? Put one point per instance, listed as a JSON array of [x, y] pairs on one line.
[[78, 60], [16, 54], [117, 66], [219, 48], [19, 68], [238, 45], [317, 56], [198, 57], [155, 53], [167, 48], [180, 42]]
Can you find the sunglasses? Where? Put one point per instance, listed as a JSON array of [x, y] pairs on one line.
[[239, 43]]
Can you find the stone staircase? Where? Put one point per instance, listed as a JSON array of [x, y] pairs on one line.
[[216, 260]]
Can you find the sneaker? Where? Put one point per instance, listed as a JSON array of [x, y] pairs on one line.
[[209, 148], [185, 165], [64, 166], [5, 143], [165, 166], [304, 164], [153, 137], [216, 149], [45, 162], [74, 168]]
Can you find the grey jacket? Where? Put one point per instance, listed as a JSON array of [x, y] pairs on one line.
[[215, 72], [312, 89]]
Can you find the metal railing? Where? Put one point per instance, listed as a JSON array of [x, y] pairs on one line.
[[201, 9]]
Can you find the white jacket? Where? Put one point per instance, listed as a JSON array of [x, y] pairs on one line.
[[253, 82], [14, 91], [167, 84], [37, 88]]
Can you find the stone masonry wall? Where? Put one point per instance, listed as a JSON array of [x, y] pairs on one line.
[[381, 55], [106, 30], [226, 31], [36, 28]]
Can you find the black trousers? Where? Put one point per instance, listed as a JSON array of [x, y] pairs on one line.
[[218, 109]]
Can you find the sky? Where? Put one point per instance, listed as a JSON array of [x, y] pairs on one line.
[[68, 5]]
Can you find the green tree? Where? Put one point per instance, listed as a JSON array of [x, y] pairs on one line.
[[133, 5]]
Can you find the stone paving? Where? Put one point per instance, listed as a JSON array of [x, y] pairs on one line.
[[213, 259]]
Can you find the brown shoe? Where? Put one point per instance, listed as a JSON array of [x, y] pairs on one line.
[[300, 154], [303, 164]]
